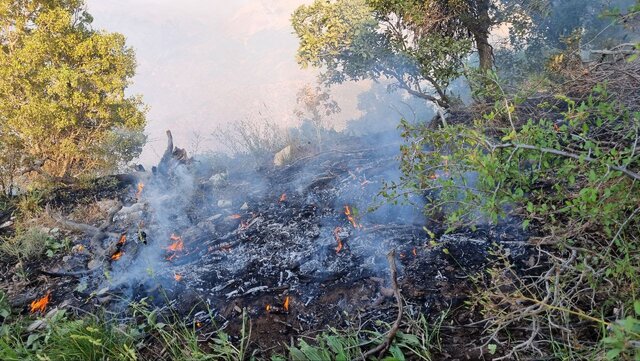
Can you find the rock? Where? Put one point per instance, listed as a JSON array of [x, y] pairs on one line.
[[131, 214], [106, 204], [282, 157], [219, 180], [6, 224], [223, 203], [214, 218], [93, 264], [244, 207]]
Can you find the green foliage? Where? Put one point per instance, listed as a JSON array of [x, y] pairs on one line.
[[350, 40], [623, 341], [27, 244], [62, 338], [63, 108]]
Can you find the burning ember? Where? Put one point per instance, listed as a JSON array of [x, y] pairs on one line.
[[415, 253], [116, 256], [283, 197], [235, 216], [177, 245], [41, 304], [122, 240], [286, 304], [336, 234], [268, 308], [177, 277], [140, 188], [351, 217]]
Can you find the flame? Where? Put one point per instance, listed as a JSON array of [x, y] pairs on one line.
[[336, 233], [177, 245], [140, 188], [235, 216], [122, 240], [116, 256], [415, 253], [268, 308], [198, 324], [177, 277], [41, 304], [350, 217], [286, 303], [283, 197], [434, 176]]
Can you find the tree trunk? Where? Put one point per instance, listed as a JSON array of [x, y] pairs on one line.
[[485, 51], [480, 31]]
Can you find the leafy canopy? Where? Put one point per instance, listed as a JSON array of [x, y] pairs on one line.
[[63, 106]]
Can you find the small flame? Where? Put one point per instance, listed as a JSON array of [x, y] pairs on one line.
[[177, 245], [268, 308], [140, 188], [116, 256], [286, 303], [122, 240], [350, 217], [235, 216], [283, 197], [41, 304], [177, 277], [198, 324], [336, 234], [415, 253]]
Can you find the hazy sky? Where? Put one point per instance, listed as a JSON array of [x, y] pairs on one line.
[[206, 63]]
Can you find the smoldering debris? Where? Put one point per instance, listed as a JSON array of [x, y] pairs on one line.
[[294, 243]]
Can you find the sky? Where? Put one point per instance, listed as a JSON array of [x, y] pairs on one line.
[[204, 64]]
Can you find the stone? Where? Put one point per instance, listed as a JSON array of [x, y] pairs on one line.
[[244, 207], [282, 157], [224, 203]]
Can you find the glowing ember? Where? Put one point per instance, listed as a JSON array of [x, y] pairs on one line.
[[198, 324], [415, 253], [140, 188], [177, 245], [116, 256], [336, 234], [235, 216], [286, 304], [41, 304], [122, 240], [351, 217], [177, 277], [268, 308], [283, 197]]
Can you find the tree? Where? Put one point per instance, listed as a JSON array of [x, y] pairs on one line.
[[315, 106], [421, 44], [348, 40], [62, 91]]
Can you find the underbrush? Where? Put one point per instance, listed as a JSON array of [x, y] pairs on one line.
[[571, 176]]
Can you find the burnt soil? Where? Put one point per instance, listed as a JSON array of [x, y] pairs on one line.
[[251, 239]]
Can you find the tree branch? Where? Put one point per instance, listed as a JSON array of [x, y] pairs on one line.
[[624, 170]]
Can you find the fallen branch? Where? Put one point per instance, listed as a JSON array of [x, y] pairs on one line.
[[391, 334], [624, 170]]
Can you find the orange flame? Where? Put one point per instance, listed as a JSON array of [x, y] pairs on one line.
[[286, 303], [116, 256], [198, 324], [177, 277], [140, 188], [235, 216], [350, 217], [41, 304], [336, 233], [268, 308], [283, 197], [177, 245], [122, 240]]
